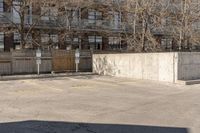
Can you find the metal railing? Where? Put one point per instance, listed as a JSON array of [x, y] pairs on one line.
[[62, 22]]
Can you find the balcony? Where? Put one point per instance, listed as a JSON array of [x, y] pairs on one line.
[[9, 18], [113, 2], [5, 18], [59, 23], [100, 25]]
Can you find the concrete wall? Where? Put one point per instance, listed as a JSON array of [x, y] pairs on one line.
[[189, 66], [150, 66], [169, 67]]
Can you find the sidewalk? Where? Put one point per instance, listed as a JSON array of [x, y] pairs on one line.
[[35, 76]]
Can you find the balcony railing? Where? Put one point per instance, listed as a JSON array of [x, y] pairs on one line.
[[5, 18], [113, 2], [60, 22], [100, 24], [9, 18]]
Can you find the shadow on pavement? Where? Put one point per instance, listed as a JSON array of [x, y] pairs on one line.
[[67, 127]]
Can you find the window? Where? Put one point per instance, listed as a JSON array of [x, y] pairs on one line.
[[44, 13], [116, 20], [29, 17], [91, 39], [67, 38], [17, 38], [73, 41], [53, 13], [91, 17], [1, 6], [29, 38], [49, 13], [75, 16], [72, 18], [118, 1], [99, 39], [94, 15], [166, 43], [45, 38], [76, 40], [1, 41], [95, 42], [54, 38], [114, 42], [15, 11]]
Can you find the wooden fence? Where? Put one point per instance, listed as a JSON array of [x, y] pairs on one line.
[[23, 62], [63, 60], [5, 63]]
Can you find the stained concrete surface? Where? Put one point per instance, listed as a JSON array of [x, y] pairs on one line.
[[98, 104]]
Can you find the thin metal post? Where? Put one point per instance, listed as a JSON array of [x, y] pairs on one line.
[[77, 58], [76, 67], [38, 69]]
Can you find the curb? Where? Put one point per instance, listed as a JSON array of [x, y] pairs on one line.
[[43, 76], [189, 82]]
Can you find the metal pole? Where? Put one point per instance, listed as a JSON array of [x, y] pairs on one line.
[[76, 67], [38, 69]]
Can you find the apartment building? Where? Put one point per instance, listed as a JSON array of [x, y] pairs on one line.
[[61, 25], [99, 24], [179, 29]]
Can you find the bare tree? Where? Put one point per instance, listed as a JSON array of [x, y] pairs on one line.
[[145, 17], [178, 20], [21, 19], [69, 18]]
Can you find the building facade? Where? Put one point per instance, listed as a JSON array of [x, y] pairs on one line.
[[61, 25], [148, 25]]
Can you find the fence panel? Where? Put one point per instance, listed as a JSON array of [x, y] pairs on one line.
[[85, 61], [46, 65], [63, 60], [23, 65], [25, 62], [5, 63]]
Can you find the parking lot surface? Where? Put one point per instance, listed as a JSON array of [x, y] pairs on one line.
[[98, 104]]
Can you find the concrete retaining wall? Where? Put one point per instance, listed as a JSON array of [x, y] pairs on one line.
[[189, 66], [168, 67]]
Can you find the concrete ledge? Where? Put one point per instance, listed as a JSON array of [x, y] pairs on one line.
[[22, 77], [188, 82]]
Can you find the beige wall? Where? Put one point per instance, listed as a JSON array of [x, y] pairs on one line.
[[150, 66], [169, 67]]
